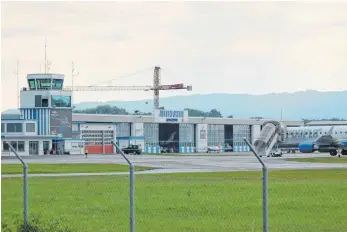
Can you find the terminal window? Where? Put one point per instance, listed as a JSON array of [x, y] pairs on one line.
[[30, 127], [14, 127], [60, 101]]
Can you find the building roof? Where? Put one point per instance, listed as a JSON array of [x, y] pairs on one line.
[[106, 118], [327, 123]]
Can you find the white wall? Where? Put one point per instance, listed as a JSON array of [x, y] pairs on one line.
[[139, 129], [96, 126], [123, 143], [26, 146], [201, 137], [23, 122], [255, 132], [27, 98]]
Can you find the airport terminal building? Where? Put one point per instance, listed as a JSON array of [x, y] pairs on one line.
[[45, 124]]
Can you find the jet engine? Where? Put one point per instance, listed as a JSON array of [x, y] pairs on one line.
[[306, 147]]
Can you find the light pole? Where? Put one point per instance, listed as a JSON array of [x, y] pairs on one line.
[[135, 113]]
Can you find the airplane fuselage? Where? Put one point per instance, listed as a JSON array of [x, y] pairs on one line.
[[319, 138]]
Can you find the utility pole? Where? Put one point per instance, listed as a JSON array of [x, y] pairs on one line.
[[16, 72], [73, 74]]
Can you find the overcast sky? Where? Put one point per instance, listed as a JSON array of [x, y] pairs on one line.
[[225, 47]]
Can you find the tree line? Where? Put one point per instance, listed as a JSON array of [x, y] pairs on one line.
[[108, 109]]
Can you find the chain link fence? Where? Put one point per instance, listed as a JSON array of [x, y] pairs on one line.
[[299, 200]]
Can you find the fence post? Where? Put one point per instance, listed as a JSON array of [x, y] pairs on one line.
[[265, 187], [132, 188], [25, 187]]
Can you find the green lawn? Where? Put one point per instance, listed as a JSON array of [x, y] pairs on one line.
[[67, 168], [299, 200], [343, 159]]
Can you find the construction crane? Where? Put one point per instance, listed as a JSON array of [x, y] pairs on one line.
[[155, 88]]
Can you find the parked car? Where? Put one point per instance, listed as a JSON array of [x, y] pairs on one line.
[[132, 149]]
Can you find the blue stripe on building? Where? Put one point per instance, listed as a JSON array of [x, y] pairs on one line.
[[42, 117]]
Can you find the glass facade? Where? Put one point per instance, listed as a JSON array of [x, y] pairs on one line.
[[151, 133], [215, 135], [186, 137], [123, 129], [60, 101], [240, 132]]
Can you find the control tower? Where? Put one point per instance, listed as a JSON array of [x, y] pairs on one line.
[[45, 101]]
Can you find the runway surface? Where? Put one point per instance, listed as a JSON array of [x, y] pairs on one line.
[[182, 164]]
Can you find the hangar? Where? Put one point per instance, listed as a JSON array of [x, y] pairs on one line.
[[192, 135]]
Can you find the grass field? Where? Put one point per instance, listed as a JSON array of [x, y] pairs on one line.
[[342, 159], [299, 200], [67, 168]]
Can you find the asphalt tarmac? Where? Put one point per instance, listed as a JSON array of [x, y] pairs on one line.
[[182, 164]]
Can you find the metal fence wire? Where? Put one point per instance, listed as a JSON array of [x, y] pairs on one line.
[[209, 201]]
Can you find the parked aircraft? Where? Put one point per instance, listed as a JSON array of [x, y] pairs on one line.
[[166, 145], [310, 139], [214, 148]]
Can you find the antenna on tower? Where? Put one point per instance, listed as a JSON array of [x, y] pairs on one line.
[[47, 63], [16, 72], [73, 74]]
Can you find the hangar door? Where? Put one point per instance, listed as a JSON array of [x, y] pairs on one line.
[[240, 132], [215, 135], [186, 138], [151, 134]]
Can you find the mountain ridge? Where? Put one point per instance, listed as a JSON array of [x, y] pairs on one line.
[[309, 104]]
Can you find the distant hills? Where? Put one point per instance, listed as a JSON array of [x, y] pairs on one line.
[[308, 104]]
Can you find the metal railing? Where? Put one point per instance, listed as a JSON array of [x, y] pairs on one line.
[[25, 187], [132, 187]]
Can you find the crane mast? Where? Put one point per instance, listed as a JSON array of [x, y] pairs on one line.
[[156, 88]]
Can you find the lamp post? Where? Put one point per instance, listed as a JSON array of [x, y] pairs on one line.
[[135, 113]]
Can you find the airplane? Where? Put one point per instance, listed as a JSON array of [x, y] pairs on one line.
[[310, 139], [165, 145], [214, 148]]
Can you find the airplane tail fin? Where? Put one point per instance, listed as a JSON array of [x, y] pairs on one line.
[[171, 137], [330, 132]]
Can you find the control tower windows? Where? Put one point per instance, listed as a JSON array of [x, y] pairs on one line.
[[32, 85], [43, 83], [57, 84]]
